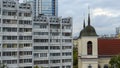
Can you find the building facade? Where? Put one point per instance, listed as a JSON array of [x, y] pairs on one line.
[[118, 32], [15, 34], [45, 41], [45, 7], [52, 42]]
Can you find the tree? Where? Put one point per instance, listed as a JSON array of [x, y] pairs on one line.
[[115, 62], [3, 65], [75, 58], [36, 66]]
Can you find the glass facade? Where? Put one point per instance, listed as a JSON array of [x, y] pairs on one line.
[[46, 7]]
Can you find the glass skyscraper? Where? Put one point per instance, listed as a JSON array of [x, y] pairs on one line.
[[45, 7]]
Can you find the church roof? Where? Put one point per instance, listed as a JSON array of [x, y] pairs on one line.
[[88, 30], [108, 47]]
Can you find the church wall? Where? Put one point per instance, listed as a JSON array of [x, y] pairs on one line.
[[83, 45], [103, 61]]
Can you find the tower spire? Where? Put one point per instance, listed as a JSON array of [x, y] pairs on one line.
[[88, 16], [84, 23]]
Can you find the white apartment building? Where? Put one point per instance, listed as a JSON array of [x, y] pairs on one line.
[[26, 41], [52, 42], [15, 34]]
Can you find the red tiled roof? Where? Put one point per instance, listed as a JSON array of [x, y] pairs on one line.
[[108, 47]]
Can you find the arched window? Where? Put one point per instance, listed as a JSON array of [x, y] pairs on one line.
[[99, 66], [89, 66], [106, 66], [89, 48]]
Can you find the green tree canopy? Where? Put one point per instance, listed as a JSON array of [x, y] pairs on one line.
[[115, 62], [36, 66]]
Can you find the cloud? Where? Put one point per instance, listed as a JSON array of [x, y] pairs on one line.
[[105, 12]]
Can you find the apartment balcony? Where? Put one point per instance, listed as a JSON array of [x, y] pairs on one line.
[[66, 30], [55, 57], [40, 58], [67, 57], [10, 41], [54, 64], [25, 41], [38, 51], [25, 26], [25, 56], [10, 33], [55, 30], [55, 43], [25, 18], [67, 43], [38, 44], [9, 8], [9, 57], [42, 65], [66, 50], [41, 37], [55, 37], [10, 25], [26, 49], [9, 17], [12, 65], [9, 49], [40, 30], [66, 37], [25, 33], [67, 63], [55, 51], [25, 64]]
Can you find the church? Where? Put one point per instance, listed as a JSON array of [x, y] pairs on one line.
[[95, 52]]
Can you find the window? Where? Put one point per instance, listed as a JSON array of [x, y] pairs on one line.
[[41, 40], [66, 47], [41, 47], [9, 29], [106, 66], [66, 60], [25, 37], [25, 60], [7, 45], [99, 66], [54, 54], [41, 62], [89, 66], [9, 53], [89, 48], [9, 37], [54, 47], [10, 61], [66, 54], [55, 61]]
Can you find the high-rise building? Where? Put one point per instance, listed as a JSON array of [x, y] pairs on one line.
[[45, 7], [45, 41], [118, 30], [15, 34], [52, 42]]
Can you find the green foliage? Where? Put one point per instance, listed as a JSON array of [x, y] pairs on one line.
[[75, 58], [2, 65], [115, 62], [36, 66]]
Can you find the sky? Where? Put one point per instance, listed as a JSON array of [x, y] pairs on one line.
[[105, 14]]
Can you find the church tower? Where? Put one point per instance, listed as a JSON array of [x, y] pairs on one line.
[[88, 47]]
